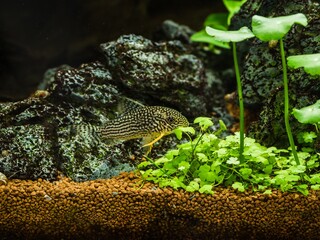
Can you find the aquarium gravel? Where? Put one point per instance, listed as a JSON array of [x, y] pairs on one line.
[[124, 207]]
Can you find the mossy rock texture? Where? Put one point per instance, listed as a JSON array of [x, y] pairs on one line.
[[125, 207]]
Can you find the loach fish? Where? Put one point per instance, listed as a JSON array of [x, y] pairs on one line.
[[148, 122]]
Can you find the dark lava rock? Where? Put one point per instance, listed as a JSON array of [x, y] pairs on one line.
[[36, 140], [36, 137], [262, 69], [165, 72]]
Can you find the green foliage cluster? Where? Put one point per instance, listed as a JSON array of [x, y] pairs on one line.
[[219, 21], [209, 160]]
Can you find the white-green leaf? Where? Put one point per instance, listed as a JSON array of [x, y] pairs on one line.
[[230, 36], [267, 29], [203, 37], [310, 63], [309, 114], [233, 160]]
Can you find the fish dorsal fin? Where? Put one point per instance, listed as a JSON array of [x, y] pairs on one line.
[[126, 105]]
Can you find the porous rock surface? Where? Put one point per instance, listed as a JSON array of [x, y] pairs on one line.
[[125, 207], [262, 69]]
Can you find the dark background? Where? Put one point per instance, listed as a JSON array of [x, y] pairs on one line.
[[37, 35]]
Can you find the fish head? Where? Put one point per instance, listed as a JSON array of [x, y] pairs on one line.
[[170, 119]]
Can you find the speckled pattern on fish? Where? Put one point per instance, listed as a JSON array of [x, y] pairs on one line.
[[148, 122]]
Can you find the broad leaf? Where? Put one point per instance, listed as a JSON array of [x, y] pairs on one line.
[[309, 114], [267, 29], [310, 63], [230, 36], [202, 36]]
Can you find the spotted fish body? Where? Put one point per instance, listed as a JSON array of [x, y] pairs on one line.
[[148, 122], [143, 122]]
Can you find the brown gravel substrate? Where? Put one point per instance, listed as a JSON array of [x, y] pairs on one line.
[[123, 208]]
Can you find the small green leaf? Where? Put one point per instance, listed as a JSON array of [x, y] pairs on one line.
[[297, 169], [184, 166], [303, 188], [223, 127], [315, 187], [239, 186], [204, 122], [204, 168], [217, 20], [157, 172], [193, 186], [233, 160], [267, 29], [315, 178], [312, 163], [143, 164], [309, 114], [179, 130], [245, 172], [202, 157], [306, 137], [268, 192], [233, 7], [292, 178], [169, 155], [268, 169], [230, 36], [145, 174], [206, 189], [175, 183], [310, 63]]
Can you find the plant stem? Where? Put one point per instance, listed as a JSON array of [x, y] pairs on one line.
[[239, 88], [286, 103]]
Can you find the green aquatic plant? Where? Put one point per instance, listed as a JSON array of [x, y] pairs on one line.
[[210, 160], [269, 29], [219, 21], [234, 36], [309, 114], [310, 63]]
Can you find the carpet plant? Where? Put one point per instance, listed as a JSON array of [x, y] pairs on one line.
[[242, 34], [210, 160]]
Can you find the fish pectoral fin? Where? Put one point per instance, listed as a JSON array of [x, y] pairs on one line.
[[154, 140]]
